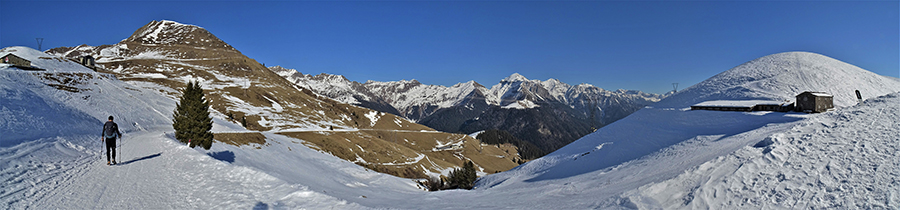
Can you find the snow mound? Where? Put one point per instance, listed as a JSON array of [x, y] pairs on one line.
[[782, 76]]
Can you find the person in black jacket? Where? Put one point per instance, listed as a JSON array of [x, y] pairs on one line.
[[110, 133]]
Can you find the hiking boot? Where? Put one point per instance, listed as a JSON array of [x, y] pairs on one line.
[[107, 163], [114, 162]]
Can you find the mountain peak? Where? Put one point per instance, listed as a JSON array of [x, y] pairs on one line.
[[167, 32], [514, 77]]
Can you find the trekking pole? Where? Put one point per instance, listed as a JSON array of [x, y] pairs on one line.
[[122, 143]]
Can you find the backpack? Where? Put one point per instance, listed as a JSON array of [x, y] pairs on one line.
[[110, 130]]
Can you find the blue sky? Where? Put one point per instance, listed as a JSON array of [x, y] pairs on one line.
[[611, 44]]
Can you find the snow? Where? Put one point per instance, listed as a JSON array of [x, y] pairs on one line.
[[44, 61], [523, 104], [821, 94], [408, 162], [737, 103], [449, 145], [275, 105], [165, 26], [149, 75], [783, 76], [844, 159], [662, 157], [475, 135], [399, 122], [373, 117], [515, 77]]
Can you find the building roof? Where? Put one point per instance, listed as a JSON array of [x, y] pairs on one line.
[[820, 94], [8, 54], [738, 103]]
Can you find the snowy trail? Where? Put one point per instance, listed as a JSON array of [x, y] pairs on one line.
[[155, 172]]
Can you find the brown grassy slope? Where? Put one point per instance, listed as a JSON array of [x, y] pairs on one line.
[[241, 139], [396, 152]]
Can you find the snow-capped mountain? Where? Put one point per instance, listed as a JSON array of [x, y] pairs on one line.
[[547, 113], [164, 55]]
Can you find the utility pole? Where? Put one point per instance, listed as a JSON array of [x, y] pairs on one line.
[[674, 87], [40, 41]]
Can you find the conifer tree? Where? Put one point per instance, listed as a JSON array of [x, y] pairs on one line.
[[463, 177], [191, 121]]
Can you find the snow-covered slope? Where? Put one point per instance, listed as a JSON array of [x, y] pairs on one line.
[[68, 99], [845, 159]]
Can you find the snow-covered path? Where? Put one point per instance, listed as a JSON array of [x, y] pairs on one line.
[[155, 172]]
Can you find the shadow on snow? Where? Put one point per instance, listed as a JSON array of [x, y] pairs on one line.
[[226, 156], [141, 158]]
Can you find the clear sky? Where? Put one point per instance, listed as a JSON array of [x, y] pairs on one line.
[[643, 45]]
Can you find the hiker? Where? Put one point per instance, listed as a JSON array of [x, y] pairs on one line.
[[110, 133]]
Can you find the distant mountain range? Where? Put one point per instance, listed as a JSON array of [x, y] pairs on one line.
[[549, 114]]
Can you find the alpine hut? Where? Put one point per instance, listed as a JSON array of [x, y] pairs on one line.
[[15, 60], [816, 102]]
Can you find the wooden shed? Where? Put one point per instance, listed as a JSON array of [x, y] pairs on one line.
[[815, 102], [775, 106], [744, 105], [15, 60]]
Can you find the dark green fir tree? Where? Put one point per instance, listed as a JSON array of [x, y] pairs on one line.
[[463, 178], [191, 119]]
